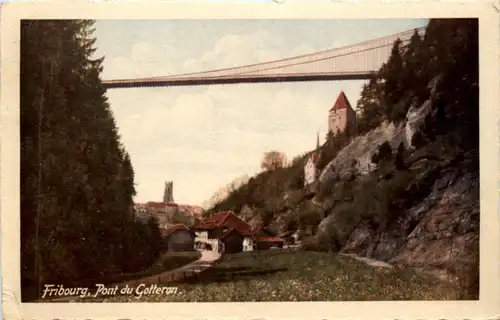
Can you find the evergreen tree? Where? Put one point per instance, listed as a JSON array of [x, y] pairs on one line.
[[156, 240], [399, 159], [383, 152], [392, 75], [76, 179], [369, 106], [413, 65]]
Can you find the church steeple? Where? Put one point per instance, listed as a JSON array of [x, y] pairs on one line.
[[317, 141], [168, 192]]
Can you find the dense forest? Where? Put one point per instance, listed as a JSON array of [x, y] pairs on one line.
[[77, 180]]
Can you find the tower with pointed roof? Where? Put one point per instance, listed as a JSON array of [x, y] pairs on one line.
[[341, 116]]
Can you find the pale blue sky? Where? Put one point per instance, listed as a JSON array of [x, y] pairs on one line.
[[204, 137]]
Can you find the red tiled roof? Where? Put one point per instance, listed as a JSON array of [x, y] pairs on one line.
[[315, 157], [175, 227], [162, 204], [226, 219], [342, 102]]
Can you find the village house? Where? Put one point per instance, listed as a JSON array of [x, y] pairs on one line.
[[310, 168], [178, 238], [168, 212], [226, 232], [163, 211]]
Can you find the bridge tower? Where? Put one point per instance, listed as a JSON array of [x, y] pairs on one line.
[[168, 193], [341, 116]]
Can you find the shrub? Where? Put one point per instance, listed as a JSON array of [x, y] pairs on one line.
[[384, 152], [418, 140], [399, 159]]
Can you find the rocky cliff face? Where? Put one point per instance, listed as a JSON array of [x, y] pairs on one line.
[[360, 151], [440, 230]]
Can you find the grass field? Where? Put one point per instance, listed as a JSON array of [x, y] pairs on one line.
[[280, 275]]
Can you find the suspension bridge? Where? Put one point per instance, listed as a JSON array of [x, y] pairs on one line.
[[354, 62]]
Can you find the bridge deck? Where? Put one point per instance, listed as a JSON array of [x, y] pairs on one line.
[[232, 79], [352, 62]]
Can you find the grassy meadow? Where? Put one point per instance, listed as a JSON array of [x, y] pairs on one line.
[[282, 275]]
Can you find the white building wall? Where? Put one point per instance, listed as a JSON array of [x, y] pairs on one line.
[[248, 244], [309, 172], [202, 237]]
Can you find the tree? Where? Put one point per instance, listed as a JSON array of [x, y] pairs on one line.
[[76, 178], [156, 240], [369, 106], [273, 160], [383, 152], [418, 140], [414, 66], [392, 73], [399, 159]]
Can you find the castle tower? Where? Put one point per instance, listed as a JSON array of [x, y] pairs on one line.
[[341, 116], [168, 193]]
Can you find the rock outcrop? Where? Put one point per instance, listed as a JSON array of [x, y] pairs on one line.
[[360, 151], [441, 231]]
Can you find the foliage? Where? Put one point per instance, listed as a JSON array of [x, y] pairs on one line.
[[384, 152], [370, 113], [273, 160], [77, 180], [399, 161], [334, 143]]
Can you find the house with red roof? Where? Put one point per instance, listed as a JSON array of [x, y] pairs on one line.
[[341, 116], [178, 237], [226, 232]]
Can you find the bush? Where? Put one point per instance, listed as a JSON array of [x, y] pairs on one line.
[[418, 139], [384, 152], [399, 159]]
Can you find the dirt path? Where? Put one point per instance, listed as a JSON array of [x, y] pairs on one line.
[[368, 261], [206, 260], [439, 274]]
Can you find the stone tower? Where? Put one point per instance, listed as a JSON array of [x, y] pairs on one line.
[[341, 116], [168, 193]]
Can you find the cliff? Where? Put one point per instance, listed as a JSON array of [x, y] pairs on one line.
[[404, 188]]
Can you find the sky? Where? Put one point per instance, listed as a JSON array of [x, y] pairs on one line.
[[203, 137]]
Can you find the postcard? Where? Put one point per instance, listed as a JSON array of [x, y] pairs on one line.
[[250, 161]]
